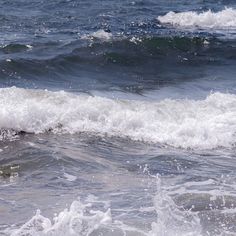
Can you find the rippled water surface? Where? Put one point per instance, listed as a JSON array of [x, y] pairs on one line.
[[117, 118]]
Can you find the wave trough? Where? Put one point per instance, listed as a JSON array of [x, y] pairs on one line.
[[208, 19], [203, 124]]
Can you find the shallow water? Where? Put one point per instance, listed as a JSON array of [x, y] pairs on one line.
[[117, 118]]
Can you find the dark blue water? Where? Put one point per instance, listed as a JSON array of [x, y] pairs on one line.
[[120, 112]]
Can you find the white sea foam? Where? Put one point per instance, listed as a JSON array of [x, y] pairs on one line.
[[208, 19], [203, 124]]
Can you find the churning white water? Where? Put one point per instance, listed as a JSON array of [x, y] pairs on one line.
[[203, 124]]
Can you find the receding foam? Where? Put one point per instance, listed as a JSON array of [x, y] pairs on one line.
[[208, 19], [203, 124]]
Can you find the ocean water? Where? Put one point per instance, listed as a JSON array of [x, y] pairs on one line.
[[117, 118]]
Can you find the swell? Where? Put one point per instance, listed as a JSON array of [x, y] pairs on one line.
[[116, 61]]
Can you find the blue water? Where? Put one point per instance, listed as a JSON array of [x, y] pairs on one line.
[[125, 121]]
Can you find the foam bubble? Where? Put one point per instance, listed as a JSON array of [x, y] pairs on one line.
[[208, 19], [204, 124]]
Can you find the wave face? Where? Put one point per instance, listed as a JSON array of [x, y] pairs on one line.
[[204, 124], [208, 19]]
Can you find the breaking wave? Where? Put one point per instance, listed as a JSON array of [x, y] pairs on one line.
[[203, 124], [208, 19]]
